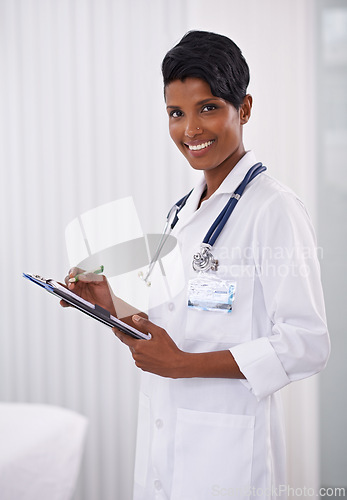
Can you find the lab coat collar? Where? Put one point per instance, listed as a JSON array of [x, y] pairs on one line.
[[235, 177], [230, 183]]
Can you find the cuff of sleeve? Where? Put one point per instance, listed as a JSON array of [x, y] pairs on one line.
[[260, 365]]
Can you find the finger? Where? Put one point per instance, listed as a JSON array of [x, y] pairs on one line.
[[63, 303], [89, 277], [72, 273], [126, 339], [66, 279]]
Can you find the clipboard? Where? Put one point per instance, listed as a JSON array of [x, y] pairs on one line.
[[86, 307]]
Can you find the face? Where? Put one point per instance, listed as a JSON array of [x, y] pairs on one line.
[[205, 128]]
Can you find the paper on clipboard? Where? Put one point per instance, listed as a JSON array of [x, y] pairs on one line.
[[86, 307]]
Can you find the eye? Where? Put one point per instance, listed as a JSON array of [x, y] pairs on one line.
[[209, 107], [176, 113]]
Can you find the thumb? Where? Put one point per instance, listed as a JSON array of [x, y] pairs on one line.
[[89, 277], [144, 325]]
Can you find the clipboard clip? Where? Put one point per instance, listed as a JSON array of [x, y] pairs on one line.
[[36, 278], [103, 312]]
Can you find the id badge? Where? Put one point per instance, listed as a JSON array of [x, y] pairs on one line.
[[207, 293]]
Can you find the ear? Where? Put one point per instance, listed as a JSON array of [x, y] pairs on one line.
[[245, 109]]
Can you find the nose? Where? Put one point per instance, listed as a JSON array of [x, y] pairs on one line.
[[193, 128]]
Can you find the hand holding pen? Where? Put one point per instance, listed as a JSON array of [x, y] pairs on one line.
[[86, 276], [91, 286]]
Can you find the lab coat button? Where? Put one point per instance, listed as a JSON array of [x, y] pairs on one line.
[[157, 485], [171, 306], [159, 423]]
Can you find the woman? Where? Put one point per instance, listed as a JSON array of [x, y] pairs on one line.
[[210, 420]]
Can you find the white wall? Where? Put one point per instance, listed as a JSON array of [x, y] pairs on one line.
[[82, 122], [332, 186]]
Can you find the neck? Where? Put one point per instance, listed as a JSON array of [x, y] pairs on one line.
[[214, 177]]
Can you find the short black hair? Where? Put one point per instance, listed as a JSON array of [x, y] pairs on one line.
[[213, 58]]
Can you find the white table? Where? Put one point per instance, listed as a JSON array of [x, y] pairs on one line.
[[41, 448]]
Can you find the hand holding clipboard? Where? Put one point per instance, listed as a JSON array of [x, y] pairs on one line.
[[90, 293]]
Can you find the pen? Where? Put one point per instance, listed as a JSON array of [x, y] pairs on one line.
[[99, 270]]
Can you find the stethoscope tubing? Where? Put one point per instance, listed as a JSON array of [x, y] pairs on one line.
[[217, 226]]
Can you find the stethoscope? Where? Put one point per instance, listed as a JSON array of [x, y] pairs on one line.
[[203, 260]]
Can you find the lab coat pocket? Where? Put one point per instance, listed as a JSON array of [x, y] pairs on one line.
[[143, 437], [213, 455], [231, 327]]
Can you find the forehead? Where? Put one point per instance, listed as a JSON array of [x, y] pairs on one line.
[[189, 89]]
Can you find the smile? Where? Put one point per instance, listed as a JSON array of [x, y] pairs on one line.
[[197, 147]]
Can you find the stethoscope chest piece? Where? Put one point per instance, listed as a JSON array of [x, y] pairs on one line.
[[204, 260]]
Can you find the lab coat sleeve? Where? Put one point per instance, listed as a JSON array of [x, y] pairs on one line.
[[288, 269]]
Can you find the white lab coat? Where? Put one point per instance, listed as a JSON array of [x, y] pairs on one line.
[[206, 438]]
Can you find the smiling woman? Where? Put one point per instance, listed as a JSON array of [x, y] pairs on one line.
[[206, 129], [224, 345], [211, 421]]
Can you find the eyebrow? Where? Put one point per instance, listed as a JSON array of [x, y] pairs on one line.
[[204, 101]]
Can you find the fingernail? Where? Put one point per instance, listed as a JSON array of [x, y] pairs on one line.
[[136, 317]]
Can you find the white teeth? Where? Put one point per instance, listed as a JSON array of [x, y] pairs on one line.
[[200, 146]]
